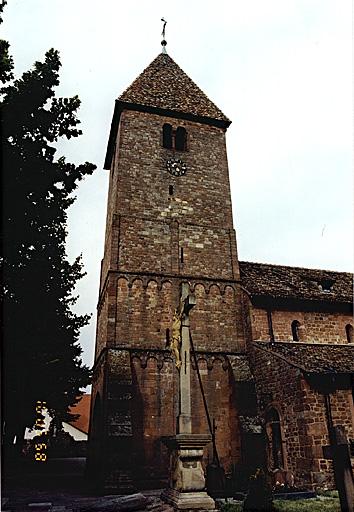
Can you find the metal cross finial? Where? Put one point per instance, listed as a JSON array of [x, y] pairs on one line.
[[163, 42]]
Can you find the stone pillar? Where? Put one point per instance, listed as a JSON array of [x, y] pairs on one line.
[[185, 413], [187, 480]]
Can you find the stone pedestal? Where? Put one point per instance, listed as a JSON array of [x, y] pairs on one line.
[[187, 481]]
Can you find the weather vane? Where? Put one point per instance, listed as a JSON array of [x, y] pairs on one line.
[[163, 42]]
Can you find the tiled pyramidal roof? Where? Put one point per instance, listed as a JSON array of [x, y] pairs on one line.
[[313, 358], [164, 85], [281, 282]]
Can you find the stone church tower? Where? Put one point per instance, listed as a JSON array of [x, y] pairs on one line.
[[169, 220]]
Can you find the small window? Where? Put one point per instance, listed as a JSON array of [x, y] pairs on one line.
[[181, 139], [326, 285], [167, 136], [349, 332], [295, 325], [182, 255], [170, 190]]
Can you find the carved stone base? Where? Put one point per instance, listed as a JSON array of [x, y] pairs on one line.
[[188, 500], [187, 481]]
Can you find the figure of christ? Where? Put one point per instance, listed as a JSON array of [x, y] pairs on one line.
[[175, 344]]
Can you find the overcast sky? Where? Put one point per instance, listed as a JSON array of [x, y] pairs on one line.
[[279, 69]]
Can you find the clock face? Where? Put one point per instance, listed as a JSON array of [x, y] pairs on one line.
[[176, 167]]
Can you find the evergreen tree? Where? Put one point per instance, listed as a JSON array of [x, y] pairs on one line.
[[41, 351], [6, 62]]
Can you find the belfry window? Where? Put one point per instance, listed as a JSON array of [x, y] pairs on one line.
[[174, 139], [295, 325], [167, 136], [181, 139], [350, 333]]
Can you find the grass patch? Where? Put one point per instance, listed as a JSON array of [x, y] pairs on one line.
[[319, 504], [329, 493]]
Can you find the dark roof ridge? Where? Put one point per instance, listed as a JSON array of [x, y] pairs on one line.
[[277, 265], [306, 343]]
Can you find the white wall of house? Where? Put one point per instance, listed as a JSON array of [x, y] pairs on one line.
[[74, 432]]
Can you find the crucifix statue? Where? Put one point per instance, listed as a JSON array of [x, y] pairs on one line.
[[180, 345], [187, 481]]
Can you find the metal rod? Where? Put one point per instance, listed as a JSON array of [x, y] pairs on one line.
[[211, 430]]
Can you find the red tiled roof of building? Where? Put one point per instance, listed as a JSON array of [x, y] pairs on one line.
[[312, 357], [83, 409], [164, 85], [282, 282]]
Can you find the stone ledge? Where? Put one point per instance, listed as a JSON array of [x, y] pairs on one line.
[[188, 500]]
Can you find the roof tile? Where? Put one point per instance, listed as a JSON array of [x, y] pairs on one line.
[[164, 85], [277, 281], [312, 357]]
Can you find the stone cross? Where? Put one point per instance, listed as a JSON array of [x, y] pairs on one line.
[[185, 413], [338, 452], [186, 491]]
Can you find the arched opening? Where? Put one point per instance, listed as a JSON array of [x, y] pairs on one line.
[[350, 333], [274, 440], [167, 136], [295, 326], [181, 139], [170, 190]]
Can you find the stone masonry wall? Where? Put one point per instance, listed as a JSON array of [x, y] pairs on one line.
[[302, 414], [155, 410], [144, 311], [316, 436], [223, 410], [206, 252], [319, 327], [143, 180], [145, 245], [156, 245], [147, 225]]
